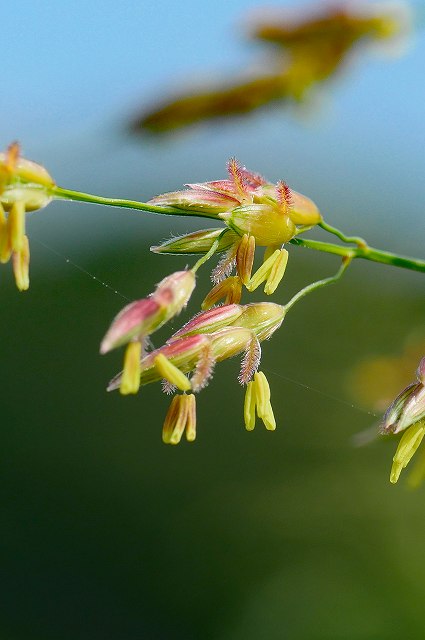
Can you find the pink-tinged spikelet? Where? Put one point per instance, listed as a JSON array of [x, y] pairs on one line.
[[134, 321], [141, 318], [209, 321], [252, 180]]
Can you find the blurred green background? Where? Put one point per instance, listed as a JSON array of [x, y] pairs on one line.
[[106, 532]]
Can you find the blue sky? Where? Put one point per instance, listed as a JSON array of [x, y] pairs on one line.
[[76, 72]]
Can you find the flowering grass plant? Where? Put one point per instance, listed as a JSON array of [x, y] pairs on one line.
[[250, 214]]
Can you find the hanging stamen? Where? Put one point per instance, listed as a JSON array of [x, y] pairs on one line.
[[245, 257], [171, 373]]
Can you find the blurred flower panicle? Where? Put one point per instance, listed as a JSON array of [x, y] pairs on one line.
[[376, 380], [306, 48]]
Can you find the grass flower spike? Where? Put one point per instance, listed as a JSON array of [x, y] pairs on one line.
[[23, 181], [198, 242], [24, 187], [140, 319], [408, 407], [217, 196], [305, 48], [249, 212], [187, 360], [256, 213], [407, 415]]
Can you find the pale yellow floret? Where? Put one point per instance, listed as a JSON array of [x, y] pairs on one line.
[[130, 381], [30, 171], [23, 181], [171, 373], [264, 221], [303, 210], [407, 447]]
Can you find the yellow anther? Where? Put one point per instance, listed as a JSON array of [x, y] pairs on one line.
[[16, 226], [245, 257], [191, 417], [270, 251], [180, 417], [171, 419], [271, 271], [171, 373], [180, 423], [249, 407], [257, 400], [276, 272], [130, 381], [263, 272], [407, 447], [262, 393], [21, 262], [229, 289]]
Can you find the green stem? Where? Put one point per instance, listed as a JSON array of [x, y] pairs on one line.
[[209, 253], [349, 239], [78, 196], [318, 284], [362, 250], [366, 252]]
